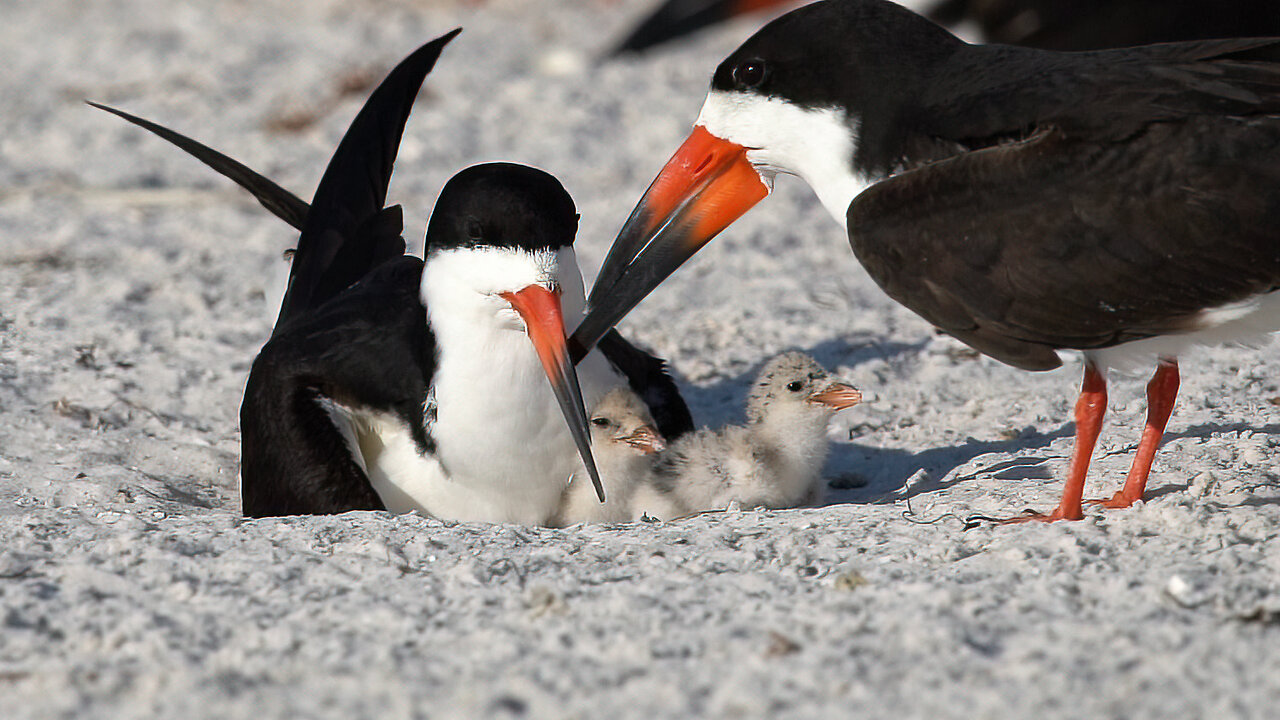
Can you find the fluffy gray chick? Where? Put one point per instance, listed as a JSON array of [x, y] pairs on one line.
[[625, 442], [773, 461]]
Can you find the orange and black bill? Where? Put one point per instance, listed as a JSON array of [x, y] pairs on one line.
[[837, 396], [703, 188], [544, 320]]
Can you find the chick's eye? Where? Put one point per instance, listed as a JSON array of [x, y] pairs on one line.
[[474, 230], [795, 385], [750, 74], [599, 421]]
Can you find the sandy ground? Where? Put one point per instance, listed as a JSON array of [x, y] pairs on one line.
[[135, 289]]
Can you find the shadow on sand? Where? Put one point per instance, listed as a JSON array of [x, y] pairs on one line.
[[865, 474], [891, 469]]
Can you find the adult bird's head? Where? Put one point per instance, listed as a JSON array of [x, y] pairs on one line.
[[815, 94], [499, 258]]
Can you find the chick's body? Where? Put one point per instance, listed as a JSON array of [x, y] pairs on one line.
[[625, 442], [774, 460]]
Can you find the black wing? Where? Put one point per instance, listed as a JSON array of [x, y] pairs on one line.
[[648, 377], [282, 203], [353, 232], [352, 352], [352, 330], [348, 232], [984, 95], [1033, 165], [1065, 242]]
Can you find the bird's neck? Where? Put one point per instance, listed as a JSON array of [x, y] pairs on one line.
[[836, 192], [824, 159]]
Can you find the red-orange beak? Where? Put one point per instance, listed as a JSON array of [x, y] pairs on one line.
[[540, 309], [704, 187], [837, 396]]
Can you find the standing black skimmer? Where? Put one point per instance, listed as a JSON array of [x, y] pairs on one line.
[[390, 382], [1124, 203]]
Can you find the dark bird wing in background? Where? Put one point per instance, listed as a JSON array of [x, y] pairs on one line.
[[1097, 24]]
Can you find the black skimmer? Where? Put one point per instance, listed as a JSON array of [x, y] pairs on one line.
[[625, 441], [390, 382], [1123, 203], [774, 460]]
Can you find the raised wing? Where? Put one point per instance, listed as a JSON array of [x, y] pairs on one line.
[[353, 232], [348, 232], [282, 203], [351, 321]]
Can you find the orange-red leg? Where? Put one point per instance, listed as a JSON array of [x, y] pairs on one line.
[[1161, 393], [1090, 408]]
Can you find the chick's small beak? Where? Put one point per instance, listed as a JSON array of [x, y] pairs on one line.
[[703, 188], [837, 396], [645, 439], [540, 309]]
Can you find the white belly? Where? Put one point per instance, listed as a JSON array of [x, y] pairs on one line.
[[503, 449], [1248, 322]]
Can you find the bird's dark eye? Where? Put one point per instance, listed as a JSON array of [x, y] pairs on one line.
[[599, 421], [750, 74], [474, 230], [795, 385]]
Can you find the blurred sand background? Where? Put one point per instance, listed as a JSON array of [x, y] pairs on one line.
[[136, 287]]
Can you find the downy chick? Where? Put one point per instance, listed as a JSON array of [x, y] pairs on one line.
[[773, 461], [625, 442]]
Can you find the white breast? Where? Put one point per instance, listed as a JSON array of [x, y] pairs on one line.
[[503, 450]]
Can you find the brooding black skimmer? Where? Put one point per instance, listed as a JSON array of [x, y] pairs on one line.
[[1124, 203], [390, 382]]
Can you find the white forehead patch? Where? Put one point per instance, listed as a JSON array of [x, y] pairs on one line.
[[817, 145]]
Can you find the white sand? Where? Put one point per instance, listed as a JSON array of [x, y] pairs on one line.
[[133, 295]]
